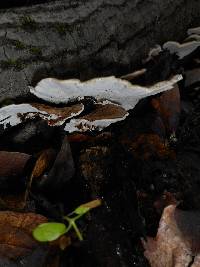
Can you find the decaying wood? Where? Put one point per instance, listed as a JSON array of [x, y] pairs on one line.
[[84, 39]]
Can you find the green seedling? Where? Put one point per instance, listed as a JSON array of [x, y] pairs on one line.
[[51, 231]]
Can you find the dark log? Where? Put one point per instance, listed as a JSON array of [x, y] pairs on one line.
[[15, 3], [84, 38]]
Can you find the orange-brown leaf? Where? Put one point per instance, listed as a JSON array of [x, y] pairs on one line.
[[168, 107], [16, 233], [44, 162], [148, 145], [12, 163]]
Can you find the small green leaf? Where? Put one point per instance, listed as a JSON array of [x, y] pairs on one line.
[[81, 210], [49, 231]]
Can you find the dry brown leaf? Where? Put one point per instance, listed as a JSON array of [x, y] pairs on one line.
[[12, 163], [177, 242], [148, 145], [13, 174], [63, 242], [168, 107], [166, 199], [43, 162], [17, 244], [62, 169], [79, 137], [13, 202], [16, 233]]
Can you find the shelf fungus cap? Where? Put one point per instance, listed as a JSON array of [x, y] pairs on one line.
[[13, 115], [192, 37], [153, 52], [113, 89], [58, 115], [194, 31], [133, 75], [181, 50], [101, 117]]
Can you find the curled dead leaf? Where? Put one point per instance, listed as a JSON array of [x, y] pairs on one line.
[[62, 169], [63, 242], [166, 199], [80, 137], [12, 163], [16, 234], [177, 241], [146, 146], [168, 107], [13, 202], [43, 162], [14, 167], [12, 171]]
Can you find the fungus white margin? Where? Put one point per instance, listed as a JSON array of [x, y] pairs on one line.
[[181, 50], [82, 125], [108, 88], [12, 115], [194, 31]]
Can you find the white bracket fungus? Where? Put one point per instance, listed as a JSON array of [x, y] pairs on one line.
[[181, 50], [154, 52], [109, 88], [113, 96], [133, 75], [13, 115], [194, 31], [100, 118], [193, 37]]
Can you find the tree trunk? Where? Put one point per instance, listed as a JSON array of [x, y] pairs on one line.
[[84, 38]]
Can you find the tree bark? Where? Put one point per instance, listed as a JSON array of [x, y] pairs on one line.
[[84, 38]]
